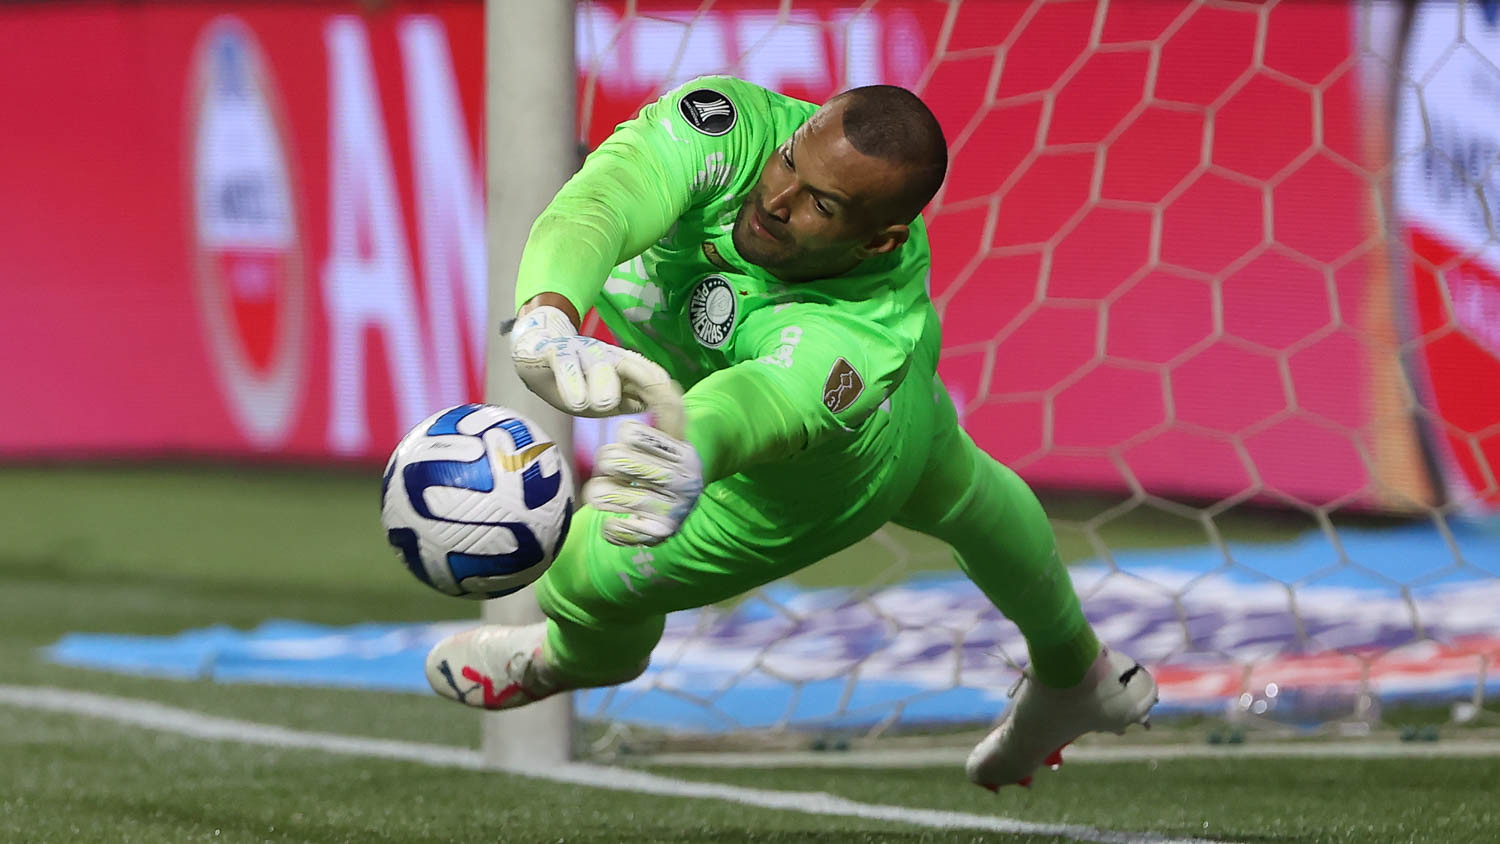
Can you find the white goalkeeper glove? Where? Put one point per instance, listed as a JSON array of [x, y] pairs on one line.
[[651, 478], [580, 375]]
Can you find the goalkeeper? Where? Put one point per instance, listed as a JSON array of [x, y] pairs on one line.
[[768, 255]]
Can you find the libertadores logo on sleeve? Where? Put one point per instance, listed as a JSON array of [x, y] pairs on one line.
[[245, 238], [708, 111]]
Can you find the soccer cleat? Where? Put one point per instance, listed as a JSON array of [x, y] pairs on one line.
[[1115, 693], [492, 666]]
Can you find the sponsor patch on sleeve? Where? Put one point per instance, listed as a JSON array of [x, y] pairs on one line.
[[708, 111], [842, 387]]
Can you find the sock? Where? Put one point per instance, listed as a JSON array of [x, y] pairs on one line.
[[582, 649], [1064, 664]]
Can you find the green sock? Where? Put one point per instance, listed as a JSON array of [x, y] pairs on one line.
[[585, 650], [1064, 664]]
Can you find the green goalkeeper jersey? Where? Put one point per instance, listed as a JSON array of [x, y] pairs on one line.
[[773, 369]]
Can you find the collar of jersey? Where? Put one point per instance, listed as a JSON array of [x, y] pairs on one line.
[[871, 270]]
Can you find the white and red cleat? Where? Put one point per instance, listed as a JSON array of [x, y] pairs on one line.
[[495, 666], [492, 666], [1115, 693]]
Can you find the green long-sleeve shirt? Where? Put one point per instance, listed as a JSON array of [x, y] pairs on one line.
[[642, 233]]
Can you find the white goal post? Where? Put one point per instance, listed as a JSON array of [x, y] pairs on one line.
[[529, 151]]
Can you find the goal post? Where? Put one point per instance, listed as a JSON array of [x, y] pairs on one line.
[[529, 151]]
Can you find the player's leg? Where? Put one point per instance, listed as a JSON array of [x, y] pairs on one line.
[[1005, 544], [606, 605]]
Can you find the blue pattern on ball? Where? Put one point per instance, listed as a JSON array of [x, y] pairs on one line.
[[448, 422], [527, 554], [567, 522], [405, 541], [476, 475], [482, 474], [537, 489], [472, 474], [519, 433]]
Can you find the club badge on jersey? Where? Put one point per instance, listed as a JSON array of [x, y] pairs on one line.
[[708, 111], [712, 308]]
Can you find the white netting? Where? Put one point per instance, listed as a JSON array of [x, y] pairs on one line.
[[1214, 276]]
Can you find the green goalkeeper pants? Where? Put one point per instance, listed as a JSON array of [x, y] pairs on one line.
[[607, 604]]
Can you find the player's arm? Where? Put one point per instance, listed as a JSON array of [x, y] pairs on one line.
[[805, 374], [623, 199], [627, 196], [635, 185], [808, 372]]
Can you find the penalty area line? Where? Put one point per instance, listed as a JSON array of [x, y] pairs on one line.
[[186, 722]]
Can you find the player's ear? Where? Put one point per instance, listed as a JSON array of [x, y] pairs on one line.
[[886, 240]]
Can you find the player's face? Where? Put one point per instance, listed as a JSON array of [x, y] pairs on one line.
[[820, 206]]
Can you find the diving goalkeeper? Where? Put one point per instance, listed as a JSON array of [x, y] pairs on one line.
[[768, 255]]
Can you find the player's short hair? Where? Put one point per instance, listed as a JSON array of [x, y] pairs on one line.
[[890, 122]]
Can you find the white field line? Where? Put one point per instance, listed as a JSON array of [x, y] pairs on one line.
[[932, 756], [186, 722]]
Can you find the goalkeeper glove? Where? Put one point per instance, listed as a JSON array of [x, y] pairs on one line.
[[652, 479], [577, 374]]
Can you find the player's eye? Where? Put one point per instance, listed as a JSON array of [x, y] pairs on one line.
[[822, 209], [786, 157]]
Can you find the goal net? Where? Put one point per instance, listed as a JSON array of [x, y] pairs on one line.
[[1221, 281]]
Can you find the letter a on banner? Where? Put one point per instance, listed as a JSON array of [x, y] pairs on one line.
[[450, 207], [367, 280]]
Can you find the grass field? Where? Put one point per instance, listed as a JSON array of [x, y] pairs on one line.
[[164, 549]]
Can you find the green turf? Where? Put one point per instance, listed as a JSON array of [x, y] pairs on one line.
[[161, 549], [1323, 800], [303, 533], [158, 549], [306, 533], [71, 780]]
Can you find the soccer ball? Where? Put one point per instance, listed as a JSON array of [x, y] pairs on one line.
[[477, 500]]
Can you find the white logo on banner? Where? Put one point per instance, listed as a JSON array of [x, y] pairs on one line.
[[247, 244]]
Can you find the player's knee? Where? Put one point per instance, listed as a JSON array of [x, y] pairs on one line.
[[946, 489], [576, 600]]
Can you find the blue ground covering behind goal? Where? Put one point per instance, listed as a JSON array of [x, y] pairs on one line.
[[932, 649]]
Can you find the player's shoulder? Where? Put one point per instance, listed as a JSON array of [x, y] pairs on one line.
[[718, 106]]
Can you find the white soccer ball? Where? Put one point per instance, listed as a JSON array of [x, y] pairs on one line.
[[477, 500]]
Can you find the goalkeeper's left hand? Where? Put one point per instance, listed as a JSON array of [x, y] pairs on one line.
[[652, 479]]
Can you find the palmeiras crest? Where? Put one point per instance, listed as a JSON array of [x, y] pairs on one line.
[[711, 311]]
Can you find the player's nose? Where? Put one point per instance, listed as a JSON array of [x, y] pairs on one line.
[[778, 202]]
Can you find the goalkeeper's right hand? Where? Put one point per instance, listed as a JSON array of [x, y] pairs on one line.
[[580, 375]]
